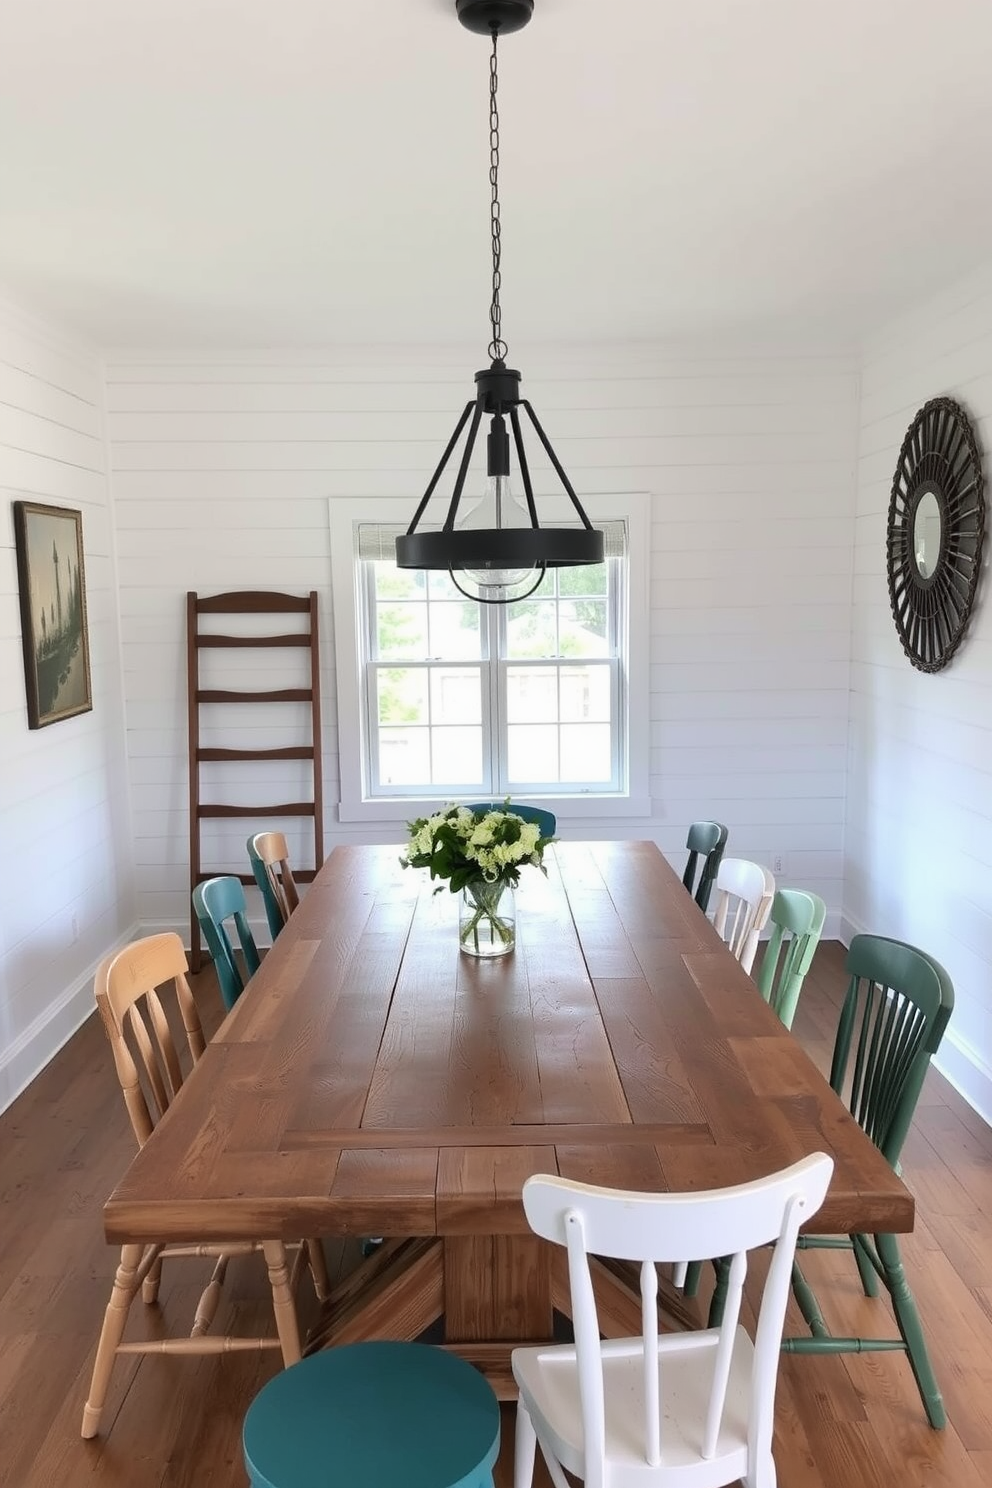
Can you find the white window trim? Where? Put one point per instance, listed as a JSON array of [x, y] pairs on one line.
[[355, 806]]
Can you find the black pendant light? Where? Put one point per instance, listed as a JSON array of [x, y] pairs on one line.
[[496, 550]]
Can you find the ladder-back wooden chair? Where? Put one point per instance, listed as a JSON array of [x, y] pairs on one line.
[[150, 1071], [686, 1408], [269, 858], [744, 894]]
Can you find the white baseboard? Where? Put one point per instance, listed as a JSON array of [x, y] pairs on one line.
[[956, 1059], [46, 1034]]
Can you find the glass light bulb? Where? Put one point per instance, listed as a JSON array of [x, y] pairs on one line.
[[496, 509]]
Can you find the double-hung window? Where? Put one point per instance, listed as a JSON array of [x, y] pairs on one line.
[[457, 699]]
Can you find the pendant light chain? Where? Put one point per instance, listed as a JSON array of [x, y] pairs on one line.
[[497, 346]]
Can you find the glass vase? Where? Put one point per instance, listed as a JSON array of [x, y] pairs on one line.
[[487, 919]]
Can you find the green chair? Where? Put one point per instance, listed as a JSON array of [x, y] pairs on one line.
[[897, 1006], [797, 924], [545, 819], [374, 1415], [216, 900], [706, 839]]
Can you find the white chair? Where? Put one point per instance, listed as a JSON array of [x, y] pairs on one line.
[[744, 894], [686, 1409]]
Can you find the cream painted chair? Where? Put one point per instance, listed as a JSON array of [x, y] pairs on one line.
[[134, 1017], [744, 894], [688, 1410]]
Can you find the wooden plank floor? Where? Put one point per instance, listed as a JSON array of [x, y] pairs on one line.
[[853, 1422]]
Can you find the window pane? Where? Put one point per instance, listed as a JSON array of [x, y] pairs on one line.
[[404, 756], [532, 696], [401, 631], [585, 694], [456, 697], [582, 627], [589, 579], [398, 583], [454, 630], [439, 585], [532, 752], [457, 756], [585, 752], [531, 629], [402, 695]]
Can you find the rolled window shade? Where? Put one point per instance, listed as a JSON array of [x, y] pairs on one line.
[[375, 542]]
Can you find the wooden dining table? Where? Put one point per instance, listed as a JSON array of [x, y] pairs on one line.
[[374, 1081]]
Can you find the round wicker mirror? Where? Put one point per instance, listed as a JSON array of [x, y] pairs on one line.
[[935, 533]]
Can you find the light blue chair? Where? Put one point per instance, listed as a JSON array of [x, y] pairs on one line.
[[216, 900], [374, 1415], [546, 820]]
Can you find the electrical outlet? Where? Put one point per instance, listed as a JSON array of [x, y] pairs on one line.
[[777, 863], [75, 928]]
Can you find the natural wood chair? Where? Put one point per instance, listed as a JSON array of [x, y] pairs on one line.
[[133, 1014], [706, 840], [269, 858], [744, 894], [687, 1408]]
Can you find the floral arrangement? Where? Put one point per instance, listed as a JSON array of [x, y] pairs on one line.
[[482, 853]]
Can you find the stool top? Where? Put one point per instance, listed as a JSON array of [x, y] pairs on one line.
[[369, 1415]]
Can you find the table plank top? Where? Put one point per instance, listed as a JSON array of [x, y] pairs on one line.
[[374, 1080]]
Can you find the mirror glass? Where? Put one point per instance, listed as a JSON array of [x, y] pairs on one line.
[[926, 534]]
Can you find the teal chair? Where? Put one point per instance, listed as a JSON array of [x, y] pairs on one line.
[[897, 1006], [374, 1415], [706, 840], [216, 900], [796, 924], [546, 820]]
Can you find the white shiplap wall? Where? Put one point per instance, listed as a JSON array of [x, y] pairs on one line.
[[64, 829], [223, 466], [919, 828]]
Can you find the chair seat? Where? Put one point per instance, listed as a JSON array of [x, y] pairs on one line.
[[371, 1415], [549, 1385]]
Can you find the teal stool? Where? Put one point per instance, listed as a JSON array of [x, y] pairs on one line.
[[374, 1415]]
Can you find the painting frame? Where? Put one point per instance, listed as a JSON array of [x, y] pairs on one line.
[[57, 676]]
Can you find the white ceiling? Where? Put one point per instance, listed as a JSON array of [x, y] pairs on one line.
[[238, 172]]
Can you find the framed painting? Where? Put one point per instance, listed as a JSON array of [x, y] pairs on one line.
[[52, 584]]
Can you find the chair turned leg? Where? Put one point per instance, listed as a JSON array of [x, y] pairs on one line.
[[318, 1270], [718, 1301], [524, 1449], [690, 1284], [869, 1278], [282, 1301], [114, 1319], [151, 1283], [911, 1329]]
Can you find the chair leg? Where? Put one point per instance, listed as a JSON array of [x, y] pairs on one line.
[[525, 1448], [114, 1320], [151, 1283], [718, 1301], [690, 1282], [282, 1301], [318, 1269], [911, 1329], [869, 1279]]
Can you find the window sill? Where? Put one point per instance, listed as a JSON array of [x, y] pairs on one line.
[[565, 808]]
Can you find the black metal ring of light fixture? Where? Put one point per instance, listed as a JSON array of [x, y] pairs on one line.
[[497, 396]]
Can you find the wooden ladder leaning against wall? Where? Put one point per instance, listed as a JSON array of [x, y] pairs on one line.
[[250, 602]]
